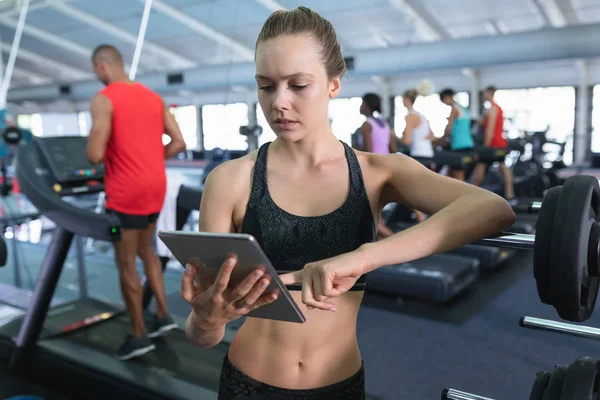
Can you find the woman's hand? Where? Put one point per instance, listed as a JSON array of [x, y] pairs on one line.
[[328, 278], [216, 303]]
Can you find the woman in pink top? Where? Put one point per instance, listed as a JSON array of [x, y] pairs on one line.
[[376, 136]]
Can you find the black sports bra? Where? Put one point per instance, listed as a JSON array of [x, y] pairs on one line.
[[291, 241]]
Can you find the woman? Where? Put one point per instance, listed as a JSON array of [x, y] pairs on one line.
[[417, 134], [310, 200], [376, 136], [458, 129]]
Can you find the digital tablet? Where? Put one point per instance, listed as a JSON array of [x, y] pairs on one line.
[[212, 249]]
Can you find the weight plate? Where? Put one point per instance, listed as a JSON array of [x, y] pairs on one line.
[[12, 135], [574, 289], [542, 247], [582, 380], [539, 385], [554, 388]]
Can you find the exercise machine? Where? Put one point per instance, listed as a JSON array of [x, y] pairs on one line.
[[72, 344]]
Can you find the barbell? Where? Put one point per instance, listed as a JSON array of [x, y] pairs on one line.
[[578, 381], [565, 247]]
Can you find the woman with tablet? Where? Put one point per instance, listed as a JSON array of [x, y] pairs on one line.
[[311, 203]]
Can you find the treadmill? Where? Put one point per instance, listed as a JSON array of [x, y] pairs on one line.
[[72, 345]]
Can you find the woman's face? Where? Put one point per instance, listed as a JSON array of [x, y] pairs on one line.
[[407, 102], [293, 87]]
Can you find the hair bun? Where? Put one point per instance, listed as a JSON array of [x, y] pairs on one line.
[[425, 87]]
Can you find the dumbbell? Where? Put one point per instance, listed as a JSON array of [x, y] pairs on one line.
[[578, 381], [565, 247]]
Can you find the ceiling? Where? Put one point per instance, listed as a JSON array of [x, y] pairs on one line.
[[59, 35]]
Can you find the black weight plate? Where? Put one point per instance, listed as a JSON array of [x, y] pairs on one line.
[[542, 247], [539, 385], [554, 388], [574, 289], [12, 135], [582, 380]]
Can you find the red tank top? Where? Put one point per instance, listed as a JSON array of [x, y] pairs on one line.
[[498, 138], [135, 173]]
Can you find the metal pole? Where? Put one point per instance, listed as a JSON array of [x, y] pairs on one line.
[[13, 54], [140, 40], [581, 138], [509, 241], [16, 264], [453, 394], [545, 324], [31, 327], [1, 61], [81, 272]]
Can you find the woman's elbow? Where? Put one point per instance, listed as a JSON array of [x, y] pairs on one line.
[[504, 214]]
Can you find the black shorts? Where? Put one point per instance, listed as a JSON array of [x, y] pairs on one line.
[[129, 221], [235, 385], [464, 151]]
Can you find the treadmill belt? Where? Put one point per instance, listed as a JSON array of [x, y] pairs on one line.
[[174, 355]]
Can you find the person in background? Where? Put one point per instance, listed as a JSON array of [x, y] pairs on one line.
[[458, 130], [493, 131], [128, 122], [417, 134], [376, 136]]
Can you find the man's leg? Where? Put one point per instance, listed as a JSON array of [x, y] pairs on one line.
[[137, 344], [131, 287], [479, 174], [162, 322], [152, 268], [509, 188]]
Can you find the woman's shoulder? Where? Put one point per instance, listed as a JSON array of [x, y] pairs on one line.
[[233, 174]]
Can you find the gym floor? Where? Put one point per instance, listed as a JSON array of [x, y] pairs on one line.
[[413, 349]]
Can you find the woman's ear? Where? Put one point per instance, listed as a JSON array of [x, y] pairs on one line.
[[334, 87]]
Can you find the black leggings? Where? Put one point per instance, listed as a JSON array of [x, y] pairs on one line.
[[235, 385]]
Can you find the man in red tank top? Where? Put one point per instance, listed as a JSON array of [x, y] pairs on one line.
[[493, 131], [128, 122]]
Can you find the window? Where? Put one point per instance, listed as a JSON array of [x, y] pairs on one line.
[[221, 126], [187, 119], [32, 122], [267, 134], [540, 109], [345, 117], [24, 121], [85, 123], [431, 107]]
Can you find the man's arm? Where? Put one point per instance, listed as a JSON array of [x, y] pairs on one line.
[[177, 144], [489, 129], [101, 111], [451, 119]]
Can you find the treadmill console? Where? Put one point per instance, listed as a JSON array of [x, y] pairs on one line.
[[72, 172]]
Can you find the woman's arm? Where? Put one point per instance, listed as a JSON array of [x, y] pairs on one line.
[[412, 121], [365, 131], [216, 215], [393, 142], [460, 213]]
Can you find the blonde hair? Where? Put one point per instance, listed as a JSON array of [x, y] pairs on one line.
[[424, 88], [304, 20]]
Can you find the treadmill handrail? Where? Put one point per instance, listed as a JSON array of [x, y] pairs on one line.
[[82, 222]]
